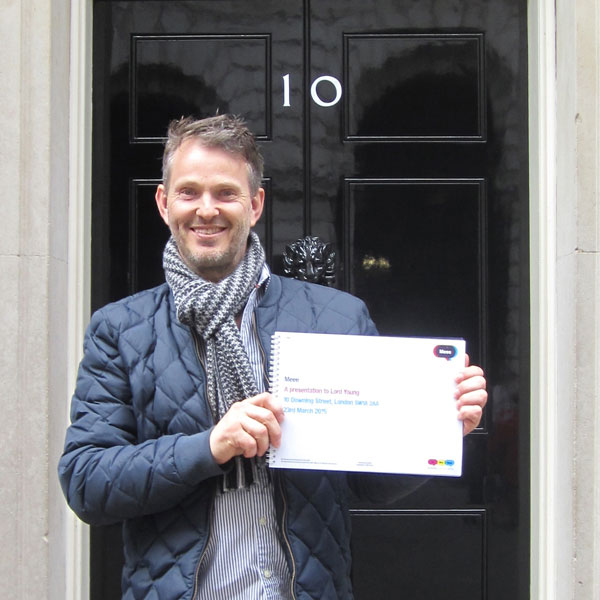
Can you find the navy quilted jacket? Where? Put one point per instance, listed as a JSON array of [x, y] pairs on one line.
[[138, 452]]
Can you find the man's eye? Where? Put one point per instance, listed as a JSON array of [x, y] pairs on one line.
[[186, 194], [227, 194]]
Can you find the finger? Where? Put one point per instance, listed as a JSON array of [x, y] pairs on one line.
[[247, 428], [261, 429], [265, 422], [229, 439], [471, 417], [247, 437], [244, 443], [468, 372], [475, 398], [261, 434], [236, 432], [473, 384], [268, 401], [467, 360]]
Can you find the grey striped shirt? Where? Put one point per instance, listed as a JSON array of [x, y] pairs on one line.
[[244, 559]]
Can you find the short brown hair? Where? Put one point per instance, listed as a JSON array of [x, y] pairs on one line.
[[225, 132]]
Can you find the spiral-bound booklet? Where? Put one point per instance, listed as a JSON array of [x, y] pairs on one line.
[[363, 403]]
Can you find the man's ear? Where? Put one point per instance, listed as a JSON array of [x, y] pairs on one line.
[[161, 203], [256, 206]]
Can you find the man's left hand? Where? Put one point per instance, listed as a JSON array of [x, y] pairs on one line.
[[471, 396]]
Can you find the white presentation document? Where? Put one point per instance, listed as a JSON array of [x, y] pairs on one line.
[[373, 404]]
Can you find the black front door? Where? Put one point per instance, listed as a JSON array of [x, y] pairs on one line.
[[397, 130]]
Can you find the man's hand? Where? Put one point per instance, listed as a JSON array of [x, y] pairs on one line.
[[247, 428], [470, 396]]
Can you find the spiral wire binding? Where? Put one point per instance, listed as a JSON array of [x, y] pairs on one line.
[[274, 382]]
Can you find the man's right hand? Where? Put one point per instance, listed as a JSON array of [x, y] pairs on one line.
[[247, 428]]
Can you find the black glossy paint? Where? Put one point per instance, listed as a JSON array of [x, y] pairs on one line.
[[418, 176]]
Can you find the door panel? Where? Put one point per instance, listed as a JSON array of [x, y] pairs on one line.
[[396, 130], [429, 86], [239, 82], [425, 539], [399, 231]]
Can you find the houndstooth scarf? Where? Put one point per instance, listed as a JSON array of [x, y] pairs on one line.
[[210, 309]]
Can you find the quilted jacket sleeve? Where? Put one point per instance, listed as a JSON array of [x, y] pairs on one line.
[[105, 474]]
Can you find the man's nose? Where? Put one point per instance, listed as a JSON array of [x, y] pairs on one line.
[[206, 207]]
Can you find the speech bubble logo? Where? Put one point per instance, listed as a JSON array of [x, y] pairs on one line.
[[434, 462], [447, 352]]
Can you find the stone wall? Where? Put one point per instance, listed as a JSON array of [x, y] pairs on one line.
[[34, 159], [578, 282], [44, 239]]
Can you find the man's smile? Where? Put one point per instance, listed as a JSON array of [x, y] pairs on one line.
[[206, 230]]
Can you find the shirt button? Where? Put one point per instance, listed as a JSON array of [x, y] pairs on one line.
[[267, 573], [262, 521]]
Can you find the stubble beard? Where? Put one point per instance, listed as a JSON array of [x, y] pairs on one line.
[[214, 265]]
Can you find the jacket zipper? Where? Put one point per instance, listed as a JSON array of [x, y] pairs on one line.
[[286, 539], [212, 503], [204, 550], [262, 352]]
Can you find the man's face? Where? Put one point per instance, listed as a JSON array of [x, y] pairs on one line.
[[209, 208]]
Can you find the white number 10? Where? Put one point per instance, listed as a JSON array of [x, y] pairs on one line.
[[314, 94]]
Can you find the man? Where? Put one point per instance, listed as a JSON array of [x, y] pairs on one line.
[[170, 417]]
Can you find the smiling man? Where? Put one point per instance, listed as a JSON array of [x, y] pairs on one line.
[[209, 200], [171, 418]]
